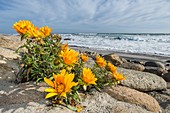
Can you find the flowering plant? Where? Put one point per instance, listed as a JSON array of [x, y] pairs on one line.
[[47, 59]]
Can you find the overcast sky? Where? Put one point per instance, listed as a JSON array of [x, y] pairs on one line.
[[70, 16]]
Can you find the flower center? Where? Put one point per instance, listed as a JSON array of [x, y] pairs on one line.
[[60, 88]]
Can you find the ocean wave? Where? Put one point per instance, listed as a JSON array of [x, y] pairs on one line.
[[139, 43]]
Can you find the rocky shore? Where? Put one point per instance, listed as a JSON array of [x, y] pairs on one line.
[[145, 90]]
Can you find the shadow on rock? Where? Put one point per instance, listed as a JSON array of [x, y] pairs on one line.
[[21, 94]]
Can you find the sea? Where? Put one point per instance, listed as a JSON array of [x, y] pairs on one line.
[[141, 43]]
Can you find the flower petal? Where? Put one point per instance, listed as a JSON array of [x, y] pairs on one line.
[[74, 84], [50, 95], [64, 94], [68, 82], [50, 90], [49, 82]]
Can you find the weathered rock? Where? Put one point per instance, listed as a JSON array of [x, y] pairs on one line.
[[28, 97], [167, 64], [142, 81], [8, 69], [124, 60], [138, 62], [165, 107], [17, 94], [168, 85], [163, 98], [133, 66], [133, 96], [167, 67], [6, 73], [7, 53], [10, 42], [2, 62], [155, 64], [155, 70], [166, 77], [103, 103], [67, 38], [90, 62], [114, 59], [168, 61]]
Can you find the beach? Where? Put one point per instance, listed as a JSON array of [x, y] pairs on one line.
[[143, 43], [145, 90], [128, 56]]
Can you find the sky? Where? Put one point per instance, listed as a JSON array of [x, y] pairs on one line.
[[84, 16]]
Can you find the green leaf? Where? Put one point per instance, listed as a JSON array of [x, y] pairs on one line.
[[72, 107], [24, 36], [39, 79]]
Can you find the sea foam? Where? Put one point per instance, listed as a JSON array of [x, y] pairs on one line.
[[158, 44]]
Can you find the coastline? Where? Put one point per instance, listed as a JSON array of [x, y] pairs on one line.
[[128, 56], [28, 96]]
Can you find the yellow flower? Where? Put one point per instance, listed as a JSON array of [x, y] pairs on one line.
[[46, 30], [69, 56], [36, 33], [84, 58], [61, 85], [100, 61], [23, 26], [64, 47], [119, 76], [88, 77], [112, 68]]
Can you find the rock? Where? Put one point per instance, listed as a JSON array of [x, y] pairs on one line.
[[165, 107], [167, 65], [10, 42], [168, 70], [114, 59], [133, 66], [126, 108], [89, 63], [67, 38], [8, 69], [7, 53], [168, 85], [168, 61], [166, 77], [28, 97], [22, 93], [134, 97], [138, 62], [155, 64], [104, 103], [166, 92], [155, 70], [2, 62], [124, 60], [6, 73], [163, 98], [142, 81]]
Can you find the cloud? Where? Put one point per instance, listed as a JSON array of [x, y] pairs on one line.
[[88, 15]]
